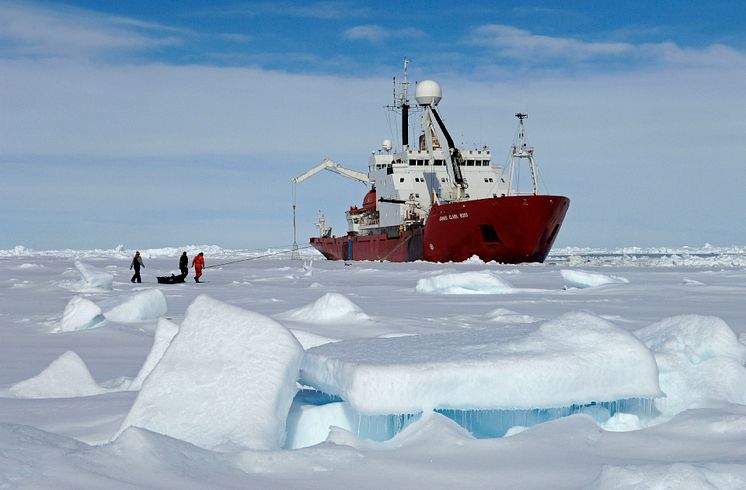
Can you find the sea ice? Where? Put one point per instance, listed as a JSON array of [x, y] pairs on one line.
[[575, 359], [583, 279], [225, 382], [330, 308], [675, 475], [80, 314], [700, 360], [94, 279], [66, 377], [165, 331], [146, 305], [482, 282]]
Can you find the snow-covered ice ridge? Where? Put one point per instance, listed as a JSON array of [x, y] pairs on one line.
[[706, 256], [685, 256]]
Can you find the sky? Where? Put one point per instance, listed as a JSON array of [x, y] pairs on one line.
[[151, 124]]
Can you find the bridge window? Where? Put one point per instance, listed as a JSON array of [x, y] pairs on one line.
[[413, 162], [439, 162], [401, 179]]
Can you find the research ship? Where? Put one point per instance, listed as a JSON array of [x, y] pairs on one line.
[[436, 202]]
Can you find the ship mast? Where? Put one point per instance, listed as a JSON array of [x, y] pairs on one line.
[[522, 150], [404, 104]]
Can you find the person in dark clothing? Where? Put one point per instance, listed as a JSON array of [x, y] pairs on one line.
[[184, 264], [136, 264]]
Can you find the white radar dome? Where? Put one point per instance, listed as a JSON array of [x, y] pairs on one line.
[[387, 145], [428, 92]]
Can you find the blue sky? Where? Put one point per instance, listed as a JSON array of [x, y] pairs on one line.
[[180, 122]]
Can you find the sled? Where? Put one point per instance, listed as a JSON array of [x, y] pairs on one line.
[[172, 279]]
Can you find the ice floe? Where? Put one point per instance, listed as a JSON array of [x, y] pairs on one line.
[[574, 359], [479, 282], [67, 376], [143, 306], [225, 382]]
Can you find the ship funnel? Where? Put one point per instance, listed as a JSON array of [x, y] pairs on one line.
[[428, 93]]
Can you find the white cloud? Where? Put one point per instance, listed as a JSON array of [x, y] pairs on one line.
[[376, 33], [328, 10], [512, 42], [70, 33], [518, 44]]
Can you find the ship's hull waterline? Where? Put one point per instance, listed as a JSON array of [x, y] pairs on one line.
[[511, 230]]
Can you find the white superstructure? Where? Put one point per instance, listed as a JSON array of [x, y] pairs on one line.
[[405, 184]]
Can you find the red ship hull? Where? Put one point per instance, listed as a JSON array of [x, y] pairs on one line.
[[510, 230]]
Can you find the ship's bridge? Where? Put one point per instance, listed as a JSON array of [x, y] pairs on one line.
[[410, 181]]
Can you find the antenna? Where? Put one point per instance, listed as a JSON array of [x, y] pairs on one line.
[[294, 255]]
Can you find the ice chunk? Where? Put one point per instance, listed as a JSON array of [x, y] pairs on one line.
[[309, 425], [622, 422], [165, 331], [504, 315], [93, 278], [67, 376], [700, 361], [575, 359], [308, 339], [146, 305], [80, 313], [582, 279], [330, 308], [225, 382], [431, 429], [483, 282]]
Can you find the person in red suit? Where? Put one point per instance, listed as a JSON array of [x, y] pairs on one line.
[[198, 263]]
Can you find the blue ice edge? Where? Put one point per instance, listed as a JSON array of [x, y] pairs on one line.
[[481, 423]]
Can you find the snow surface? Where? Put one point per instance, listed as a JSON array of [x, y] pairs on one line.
[[685, 305], [225, 382]]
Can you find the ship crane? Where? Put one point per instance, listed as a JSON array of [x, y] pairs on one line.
[[333, 167], [336, 168]]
